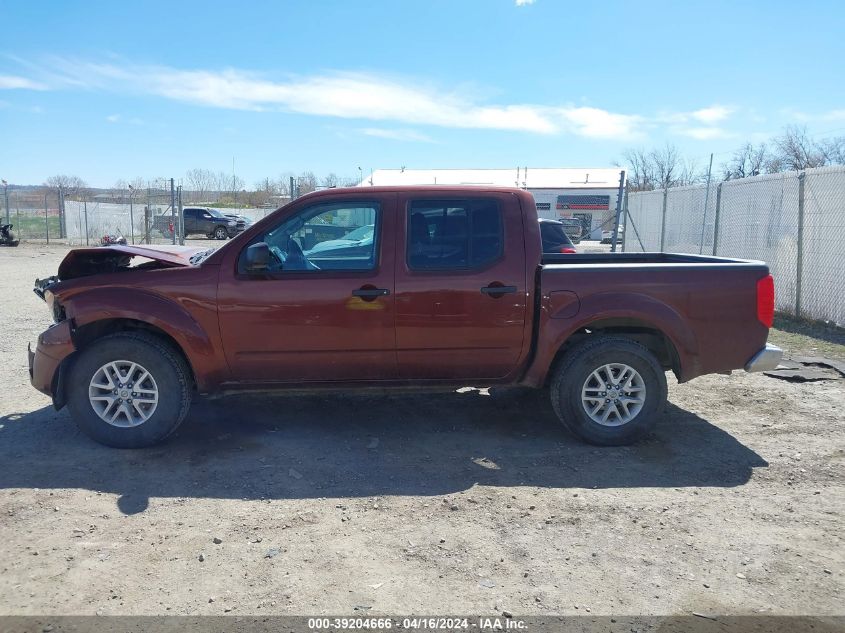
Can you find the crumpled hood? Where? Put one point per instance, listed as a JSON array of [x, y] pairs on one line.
[[81, 262]]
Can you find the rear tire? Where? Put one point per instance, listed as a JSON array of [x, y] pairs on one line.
[[168, 375], [602, 402]]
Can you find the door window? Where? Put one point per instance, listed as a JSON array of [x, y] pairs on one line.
[[333, 236], [453, 234]]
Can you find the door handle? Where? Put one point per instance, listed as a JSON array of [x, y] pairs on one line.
[[497, 291], [370, 293]]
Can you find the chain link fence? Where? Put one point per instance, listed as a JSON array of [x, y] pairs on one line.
[[795, 222]]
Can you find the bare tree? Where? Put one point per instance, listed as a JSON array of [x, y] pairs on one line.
[[201, 182], [640, 170], [331, 180], [798, 151], [749, 160], [306, 182], [72, 186], [833, 150]]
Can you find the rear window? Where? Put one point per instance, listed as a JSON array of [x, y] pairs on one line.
[[453, 234]]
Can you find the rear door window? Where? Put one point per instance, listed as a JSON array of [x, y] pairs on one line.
[[453, 234]]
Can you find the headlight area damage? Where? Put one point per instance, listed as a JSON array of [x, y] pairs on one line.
[[56, 343]]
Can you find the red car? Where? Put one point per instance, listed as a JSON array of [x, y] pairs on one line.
[[452, 290]]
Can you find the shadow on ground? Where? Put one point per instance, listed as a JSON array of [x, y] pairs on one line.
[[351, 446]]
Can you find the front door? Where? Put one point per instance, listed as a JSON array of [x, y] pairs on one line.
[[325, 309], [460, 287]]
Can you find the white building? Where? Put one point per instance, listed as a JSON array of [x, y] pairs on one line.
[[584, 192]]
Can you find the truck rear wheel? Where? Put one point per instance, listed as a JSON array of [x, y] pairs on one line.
[[609, 391], [129, 390]]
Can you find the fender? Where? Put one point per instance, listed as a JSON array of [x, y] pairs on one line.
[[186, 320], [614, 305]]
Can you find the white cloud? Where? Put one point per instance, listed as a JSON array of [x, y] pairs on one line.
[[597, 123], [397, 134], [343, 95], [12, 82], [522, 3], [704, 133], [369, 97], [113, 118], [712, 114]]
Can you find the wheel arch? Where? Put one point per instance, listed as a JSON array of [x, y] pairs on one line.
[[83, 336], [637, 329]]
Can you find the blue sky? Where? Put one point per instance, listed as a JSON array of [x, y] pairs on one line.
[[117, 90]]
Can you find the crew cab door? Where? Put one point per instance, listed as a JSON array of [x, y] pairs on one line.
[[460, 286], [324, 310], [190, 216]]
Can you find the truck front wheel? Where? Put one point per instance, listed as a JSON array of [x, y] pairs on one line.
[[129, 390], [221, 233], [609, 391]]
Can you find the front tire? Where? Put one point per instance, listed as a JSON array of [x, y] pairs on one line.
[[129, 390], [609, 391], [221, 233]]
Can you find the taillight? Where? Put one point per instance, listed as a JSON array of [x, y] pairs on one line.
[[766, 300], [568, 249]]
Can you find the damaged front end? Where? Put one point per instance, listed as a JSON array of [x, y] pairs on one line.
[[49, 361]]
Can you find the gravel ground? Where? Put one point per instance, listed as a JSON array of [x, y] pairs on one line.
[[455, 503]]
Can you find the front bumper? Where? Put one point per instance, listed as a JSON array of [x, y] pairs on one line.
[[54, 345], [766, 359]]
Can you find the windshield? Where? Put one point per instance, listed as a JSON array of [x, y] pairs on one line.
[[360, 234], [215, 213]]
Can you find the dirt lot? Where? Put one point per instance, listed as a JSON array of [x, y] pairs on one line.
[[456, 503]]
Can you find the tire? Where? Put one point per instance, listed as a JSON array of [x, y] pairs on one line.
[[577, 375], [171, 380], [221, 233]]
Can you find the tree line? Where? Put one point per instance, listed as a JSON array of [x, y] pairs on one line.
[[793, 150], [205, 186]]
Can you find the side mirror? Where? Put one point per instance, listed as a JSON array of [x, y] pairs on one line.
[[257, 258]]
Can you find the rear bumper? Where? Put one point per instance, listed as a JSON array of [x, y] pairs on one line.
[[766, 359]]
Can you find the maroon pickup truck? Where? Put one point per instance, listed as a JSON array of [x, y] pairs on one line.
[[430, 287]]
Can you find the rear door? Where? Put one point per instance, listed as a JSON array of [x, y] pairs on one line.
[[190, 220], [461, 290]]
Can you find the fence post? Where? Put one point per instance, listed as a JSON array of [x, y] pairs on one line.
[[626, 223], [663, 219], [85, 209], [706, 200], [799, 270], [716, 218], [46, 219], [618, 210], [62, 228], [181, 217], [173, 210]]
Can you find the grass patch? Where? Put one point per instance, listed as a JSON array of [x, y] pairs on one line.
[[799, 337], [26, 226]]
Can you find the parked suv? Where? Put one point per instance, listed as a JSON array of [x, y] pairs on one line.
[[554, 237]]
